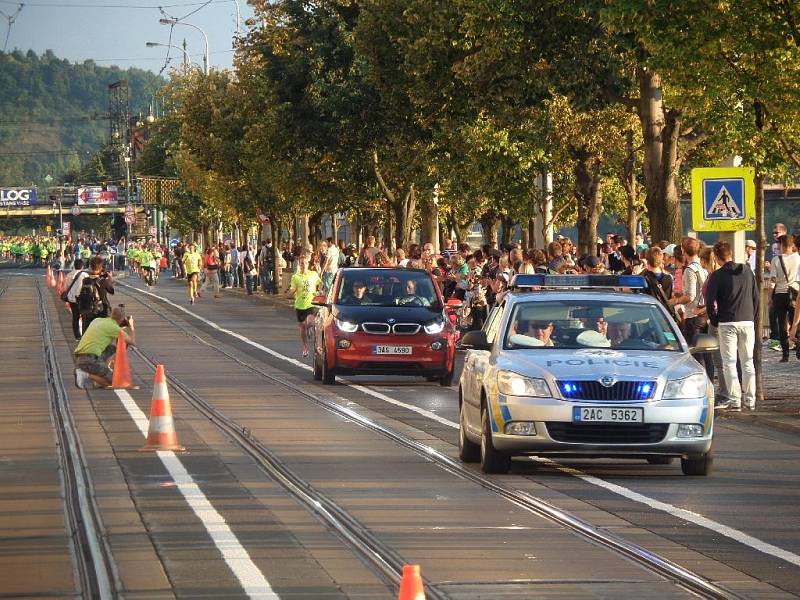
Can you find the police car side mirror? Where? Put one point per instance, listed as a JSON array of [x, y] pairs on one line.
[[705, 343], [475, 340]]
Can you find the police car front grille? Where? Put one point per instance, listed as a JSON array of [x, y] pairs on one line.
[[626, 391], [607, 433]]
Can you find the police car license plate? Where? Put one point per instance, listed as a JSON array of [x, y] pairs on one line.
[[404, 350], [607, 414]]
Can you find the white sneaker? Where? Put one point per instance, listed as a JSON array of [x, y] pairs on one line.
[[81, 379]]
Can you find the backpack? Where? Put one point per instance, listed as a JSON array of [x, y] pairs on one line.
[[90, 302], [247, 264]]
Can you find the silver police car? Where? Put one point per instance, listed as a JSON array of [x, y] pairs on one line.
[[584, 366]]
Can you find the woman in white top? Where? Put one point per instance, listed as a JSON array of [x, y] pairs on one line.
[[784, 269]]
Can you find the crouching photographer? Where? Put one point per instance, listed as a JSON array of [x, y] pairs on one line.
[[94, 355]]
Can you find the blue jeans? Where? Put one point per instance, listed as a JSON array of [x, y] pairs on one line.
[[249, 280], [235, 276]]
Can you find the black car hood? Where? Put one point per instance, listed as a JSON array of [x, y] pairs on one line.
[[382, 314]]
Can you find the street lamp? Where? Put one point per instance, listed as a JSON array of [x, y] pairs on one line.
[[186, 59], [205, 37], [238, 16]]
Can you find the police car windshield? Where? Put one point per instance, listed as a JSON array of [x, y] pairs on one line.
[[575, 325], [388, 288]]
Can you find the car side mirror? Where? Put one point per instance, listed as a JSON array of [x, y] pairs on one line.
[[475, 340], [705, 343], [453, 304], [320, 300]]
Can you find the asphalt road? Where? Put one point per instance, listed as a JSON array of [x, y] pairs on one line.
[[744, 516], [737, 527]]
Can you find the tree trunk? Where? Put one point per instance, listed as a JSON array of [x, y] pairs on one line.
[[489, 224], [508, 229], [671, 226], [429, 232], [405, 210], [660, 134], [589, 194], [631, 186]]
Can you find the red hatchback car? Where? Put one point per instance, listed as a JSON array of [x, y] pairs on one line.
[[384, 322]]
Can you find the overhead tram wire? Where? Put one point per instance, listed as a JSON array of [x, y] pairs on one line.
[[112, 6]]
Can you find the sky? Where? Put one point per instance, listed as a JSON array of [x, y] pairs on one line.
[[114, 32]]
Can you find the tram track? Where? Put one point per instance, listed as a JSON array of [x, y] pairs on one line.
[[92, 555], [680, 576]]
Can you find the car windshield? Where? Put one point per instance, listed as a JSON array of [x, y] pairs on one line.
[[389, 288], [575, 325]]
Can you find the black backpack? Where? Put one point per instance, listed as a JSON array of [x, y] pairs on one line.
[[90, 302]]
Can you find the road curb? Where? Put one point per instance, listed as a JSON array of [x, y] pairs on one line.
[[767, 420]]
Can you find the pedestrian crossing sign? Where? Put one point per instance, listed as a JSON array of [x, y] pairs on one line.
[[723, 199]]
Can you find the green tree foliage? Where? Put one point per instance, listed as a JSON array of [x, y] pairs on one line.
[[53, 113]]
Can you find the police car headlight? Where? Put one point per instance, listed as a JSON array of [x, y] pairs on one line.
[[346, 326], [693, 386], [512, 384], [434, 328]]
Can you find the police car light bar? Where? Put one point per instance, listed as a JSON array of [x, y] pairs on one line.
[[541, 280]]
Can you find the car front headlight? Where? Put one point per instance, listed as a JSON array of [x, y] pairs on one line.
[[434, 327], [693, 386], [346, 326], [512, 384]]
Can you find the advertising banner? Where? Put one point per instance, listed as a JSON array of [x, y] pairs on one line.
[[17, 197], [97, 196]]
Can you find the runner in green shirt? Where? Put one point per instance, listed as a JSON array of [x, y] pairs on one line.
[[191, 263], [304, 284]]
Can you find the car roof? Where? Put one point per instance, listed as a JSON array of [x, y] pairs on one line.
[[382, 270]]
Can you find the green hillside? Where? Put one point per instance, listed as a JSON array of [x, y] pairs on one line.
[[53, 113]]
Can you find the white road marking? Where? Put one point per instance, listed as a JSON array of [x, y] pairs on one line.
[[681, 513], [250, 577]]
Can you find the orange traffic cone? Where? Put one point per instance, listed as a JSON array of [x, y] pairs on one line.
[[122, 367], [60, 283], [411, 584], [51, 281], [161, 433]]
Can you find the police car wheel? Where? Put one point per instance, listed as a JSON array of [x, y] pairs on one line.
[[659, 460], [328, 376], [468, 451], [492, 460], [698, 466]]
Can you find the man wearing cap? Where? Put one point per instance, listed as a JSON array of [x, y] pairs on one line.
[[96, 349], [750, 251]]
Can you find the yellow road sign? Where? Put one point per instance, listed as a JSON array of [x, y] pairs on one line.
[[723, 199]]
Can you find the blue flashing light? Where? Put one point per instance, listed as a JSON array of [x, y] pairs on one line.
[[645, 390], [632, 281], [578, 281]]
